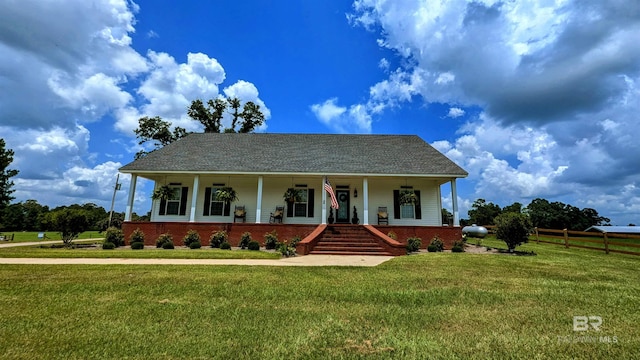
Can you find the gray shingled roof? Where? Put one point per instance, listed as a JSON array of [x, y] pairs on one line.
[[298, 153]]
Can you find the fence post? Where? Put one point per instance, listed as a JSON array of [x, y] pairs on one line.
[[566, 238], [537, 237], [606, 242]]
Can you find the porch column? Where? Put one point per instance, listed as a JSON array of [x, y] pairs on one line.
[[324, 201], [132, 193], [454, 202], [365, 200], [259, 201], [194, 198]]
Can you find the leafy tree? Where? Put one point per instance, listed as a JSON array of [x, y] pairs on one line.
[[12, 217], [515, 207], [6, 158], [33, 215], [210, 116], [513, 228], [483, 213], [157, 131], [69, 222], [557, 215], [447, 216]]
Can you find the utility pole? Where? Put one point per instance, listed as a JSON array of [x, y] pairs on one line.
[[113, 199]]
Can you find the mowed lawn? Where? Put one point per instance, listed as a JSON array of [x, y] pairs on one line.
[[440, 306]]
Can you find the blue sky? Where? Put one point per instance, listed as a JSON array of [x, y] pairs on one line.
[[534, 99]]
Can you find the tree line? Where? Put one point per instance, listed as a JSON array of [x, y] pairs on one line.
[[32, 216], [541, 212]]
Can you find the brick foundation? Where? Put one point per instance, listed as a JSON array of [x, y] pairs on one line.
[[178, 230]]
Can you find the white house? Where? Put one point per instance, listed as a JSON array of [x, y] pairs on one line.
[[369, 175]]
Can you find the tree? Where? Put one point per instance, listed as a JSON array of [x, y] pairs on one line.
[[6, 158], [158, 131], [513, 228], [483, 213], [557, 215], [68, 222], [447, 216], [515, 207], [210, 116]]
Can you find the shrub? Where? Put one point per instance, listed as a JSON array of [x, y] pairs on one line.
[[432, 248], [245, 239], [114, 236], [217, 238], [392, 235], [286, 249], [458, 246], [413, 244], [108, 245], [513, 228], [191, 237], [137, 245], [136, 236], [294, 241], [439, 245], [270, 240], [254, 245], [195, 245], [225, 246], [167, 245], [164, 239]]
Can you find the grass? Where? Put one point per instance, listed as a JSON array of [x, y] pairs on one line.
[[435, 305], [127, 253], [26, 236]]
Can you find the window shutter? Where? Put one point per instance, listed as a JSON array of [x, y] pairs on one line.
[[396, 204], [227, 209], [418, 206], [290, 209], [310, 203], [183, 200], [163, 207], [207, 202]]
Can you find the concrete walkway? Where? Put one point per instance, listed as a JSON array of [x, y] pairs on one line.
[[308, 260], [46, 242]]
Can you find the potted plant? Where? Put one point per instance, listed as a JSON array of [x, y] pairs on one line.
[[292, 195], [163, 192], [354, 219], [408, 197], [226, 194]]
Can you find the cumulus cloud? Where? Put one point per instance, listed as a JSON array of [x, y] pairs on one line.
[[556, 81], [354, 119], [70, 66]]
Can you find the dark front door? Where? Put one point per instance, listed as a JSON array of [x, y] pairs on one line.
[[342, 214]]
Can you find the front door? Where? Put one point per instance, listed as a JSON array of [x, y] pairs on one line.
[[342, 214]]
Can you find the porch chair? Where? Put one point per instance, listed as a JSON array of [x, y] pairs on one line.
[[240, 213], [277, 215], [383, 215]]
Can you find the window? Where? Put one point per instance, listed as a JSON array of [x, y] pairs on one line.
[[176, 203], [300, 207], [407, 211], [213, 207], [217, 207]]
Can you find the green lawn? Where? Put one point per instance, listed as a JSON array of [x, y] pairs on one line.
[[25, 236], [439, 306], [127, 253]]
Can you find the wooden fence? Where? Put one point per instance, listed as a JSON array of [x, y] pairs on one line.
[[608, 242]]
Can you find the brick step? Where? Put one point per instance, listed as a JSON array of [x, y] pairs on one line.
[[348, 248], [347, 243], [379, 253], [349, 239]]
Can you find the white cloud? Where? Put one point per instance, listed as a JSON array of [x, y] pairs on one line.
[[455, 112], [354, 119]]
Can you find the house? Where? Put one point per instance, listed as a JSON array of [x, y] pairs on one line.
[[369, 175]]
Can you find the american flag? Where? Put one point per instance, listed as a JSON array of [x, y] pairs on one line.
[[334, 201]]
